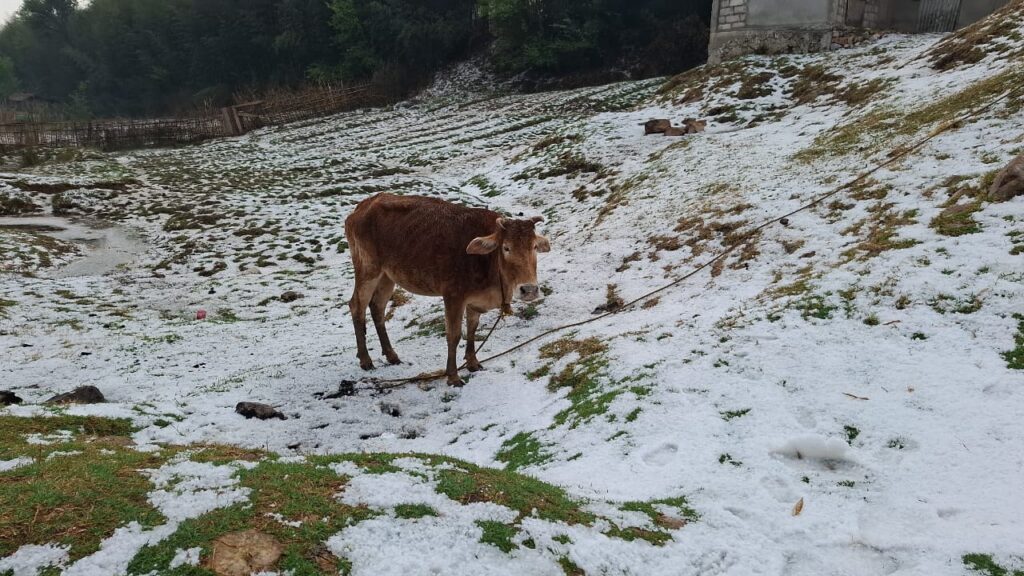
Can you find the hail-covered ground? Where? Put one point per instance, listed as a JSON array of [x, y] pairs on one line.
[[841, 395]]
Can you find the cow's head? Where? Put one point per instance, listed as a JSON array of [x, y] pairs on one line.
[[517, 244]]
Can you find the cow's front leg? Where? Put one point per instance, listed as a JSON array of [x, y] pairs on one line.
[[454, 308], [472, 322]]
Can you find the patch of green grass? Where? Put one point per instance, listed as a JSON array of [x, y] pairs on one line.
[[590, 390], [498, 534], [4, 305], [486, 186], [986, 565], [851, 433], [222, 454], [522, 450], [755, 86], [957, 220], [633, 415], [1015, 357], [846, 483], [878, 128], [76, 499], [679, 503], [412, 511], [660, 535], [529, 313], [728, 459], [815, 306], [872, 320], [943, 303], [226, 316], [571, 569], [297, 491], [879, 232], [468, 483], [730, 414], [372, 463]]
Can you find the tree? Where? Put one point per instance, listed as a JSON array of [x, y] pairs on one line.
[[8, 80]]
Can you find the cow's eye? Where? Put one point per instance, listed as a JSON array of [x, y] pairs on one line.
[[507, 249]]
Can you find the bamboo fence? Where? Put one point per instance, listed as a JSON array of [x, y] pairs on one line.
[[119, 134]]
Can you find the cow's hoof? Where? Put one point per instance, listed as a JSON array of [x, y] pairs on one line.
[[366, 364], [393, 358], [473, 366], [456, 382]]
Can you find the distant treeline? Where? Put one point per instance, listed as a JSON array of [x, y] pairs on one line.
[[148, 57]]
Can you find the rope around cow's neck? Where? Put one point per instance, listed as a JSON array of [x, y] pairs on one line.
[[893, 156]]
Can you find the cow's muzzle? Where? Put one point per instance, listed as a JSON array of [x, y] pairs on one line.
[[529, 292]]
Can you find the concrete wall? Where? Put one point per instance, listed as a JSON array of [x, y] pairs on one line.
[[814, 14], [741, 27]]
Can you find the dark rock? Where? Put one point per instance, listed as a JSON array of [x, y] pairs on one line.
[[257, 410], [1009, 183], [7, 398], [346, 388], [784, 221], [80, 395], [390, 409], [657, 126], [290, 296]]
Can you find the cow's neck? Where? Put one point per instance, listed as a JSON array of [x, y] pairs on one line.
[[504, 289]]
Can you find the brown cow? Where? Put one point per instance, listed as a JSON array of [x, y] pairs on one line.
[[473, 258]]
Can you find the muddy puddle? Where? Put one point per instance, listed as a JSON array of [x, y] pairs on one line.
[[105, 246]]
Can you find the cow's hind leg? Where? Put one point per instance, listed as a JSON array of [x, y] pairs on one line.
[[378, 308], [472, 322], [454, 308], [361, 296]]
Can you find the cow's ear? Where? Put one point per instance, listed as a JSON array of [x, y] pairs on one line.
[[543, 245], [483, 245]]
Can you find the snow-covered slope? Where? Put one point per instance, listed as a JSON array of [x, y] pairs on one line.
[[857, 360]]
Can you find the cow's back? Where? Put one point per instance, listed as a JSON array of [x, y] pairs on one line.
[[420, 242]]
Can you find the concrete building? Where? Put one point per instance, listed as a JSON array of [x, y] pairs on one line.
[[741, 27]]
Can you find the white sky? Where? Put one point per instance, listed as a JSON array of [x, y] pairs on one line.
[[8, 7]]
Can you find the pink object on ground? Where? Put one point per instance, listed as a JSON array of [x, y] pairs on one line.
[[201, 315]]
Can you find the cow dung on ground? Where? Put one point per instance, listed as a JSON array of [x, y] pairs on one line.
[[244, 553], [80, 395], [1009, 183]]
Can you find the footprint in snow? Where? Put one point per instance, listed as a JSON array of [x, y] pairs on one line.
[[661, 455]]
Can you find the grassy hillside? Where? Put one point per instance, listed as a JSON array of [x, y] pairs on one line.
[[841, 395]]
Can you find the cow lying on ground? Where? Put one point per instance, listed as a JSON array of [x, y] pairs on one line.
[[473, 258]]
